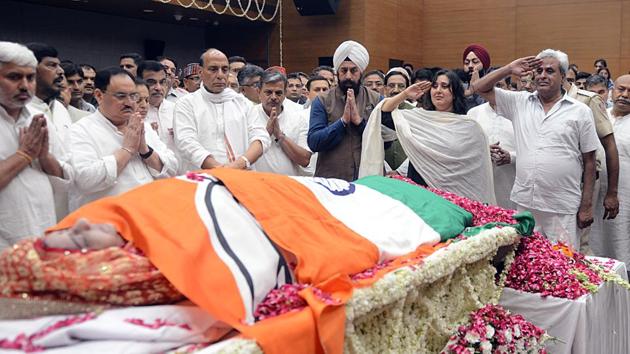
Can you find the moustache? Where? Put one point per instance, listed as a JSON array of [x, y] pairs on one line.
[[622, 100]]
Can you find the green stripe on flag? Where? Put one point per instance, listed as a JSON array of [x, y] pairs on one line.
[[448, 219]]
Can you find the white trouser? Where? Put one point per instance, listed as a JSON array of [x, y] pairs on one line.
[[556, 227]]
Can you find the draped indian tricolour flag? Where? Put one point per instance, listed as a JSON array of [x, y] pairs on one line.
[[225, 238]]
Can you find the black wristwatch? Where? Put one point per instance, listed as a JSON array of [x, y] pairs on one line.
[[147, 154]]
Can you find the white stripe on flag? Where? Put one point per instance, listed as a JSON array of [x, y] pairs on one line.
[[365, 210]]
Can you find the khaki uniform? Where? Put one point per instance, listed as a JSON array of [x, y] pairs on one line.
[[603, 128]]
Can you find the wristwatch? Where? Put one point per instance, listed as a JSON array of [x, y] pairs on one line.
[[147, 154]]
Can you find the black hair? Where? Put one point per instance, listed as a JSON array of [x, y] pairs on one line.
[[574, 69], [249, 71], [71, 69], [423, 75], [88, 66], [601, 60], [140, 82], [582, 75], [104, 77], [236, 59], [461, 74], [316, 78], [42, 50], [293, 76], [457, 90], [322, 67], [374, 72], [150, 65], [303, 74], [607, 70], [394, 73], [137, 58], [160, 58]]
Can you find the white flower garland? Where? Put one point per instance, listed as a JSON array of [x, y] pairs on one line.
[[416, 308]]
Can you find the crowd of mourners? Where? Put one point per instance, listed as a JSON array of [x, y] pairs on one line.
[[537, 134]]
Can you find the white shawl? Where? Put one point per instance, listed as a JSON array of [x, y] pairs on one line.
[[450, 151]]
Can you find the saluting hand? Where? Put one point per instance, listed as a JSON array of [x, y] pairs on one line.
[[521, 67], [415, 91]]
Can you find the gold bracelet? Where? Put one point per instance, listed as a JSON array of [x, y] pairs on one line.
[[25, 156], [128, 150]]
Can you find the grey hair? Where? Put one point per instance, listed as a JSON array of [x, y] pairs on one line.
[[561, 56], [17, 54], [271, 77], [594, 80], [249, 71]]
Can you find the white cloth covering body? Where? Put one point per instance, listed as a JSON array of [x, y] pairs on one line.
[[94, 139], [449, 151], [139, 329], [295, 126], [59, 124], [498, 129], [613, 238], [27, 205], [202, 120]]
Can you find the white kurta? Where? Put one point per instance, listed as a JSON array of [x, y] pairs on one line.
[[499, 129], [614, 235], [27, 205], [160, 120], [94, 139], [549, 147], [59, 122], [211, 124], [295, 126]]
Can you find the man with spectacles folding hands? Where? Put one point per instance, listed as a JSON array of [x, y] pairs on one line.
[[112, 152]]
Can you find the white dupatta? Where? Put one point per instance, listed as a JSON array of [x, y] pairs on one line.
[[450, 151]]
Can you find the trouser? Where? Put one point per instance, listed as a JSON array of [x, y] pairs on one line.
[[585, 233], [556, 227]]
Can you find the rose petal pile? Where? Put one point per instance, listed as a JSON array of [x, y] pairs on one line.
[[494, 330], [541, 268], [482, 213]]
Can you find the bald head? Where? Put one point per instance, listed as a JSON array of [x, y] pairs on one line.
[[214, 70], [621, 96], [212, 53]]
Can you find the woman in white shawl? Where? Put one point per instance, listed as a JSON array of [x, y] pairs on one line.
[[446, 149]]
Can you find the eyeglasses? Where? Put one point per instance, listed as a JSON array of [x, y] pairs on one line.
[[121, 96]]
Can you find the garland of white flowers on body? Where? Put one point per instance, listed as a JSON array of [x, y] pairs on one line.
[[242, 12]]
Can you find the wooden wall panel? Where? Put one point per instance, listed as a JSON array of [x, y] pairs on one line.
[[446, 34], [581, 38], [435, 32], [625, 36], [446, 6], [305, 38], [393, 31]]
